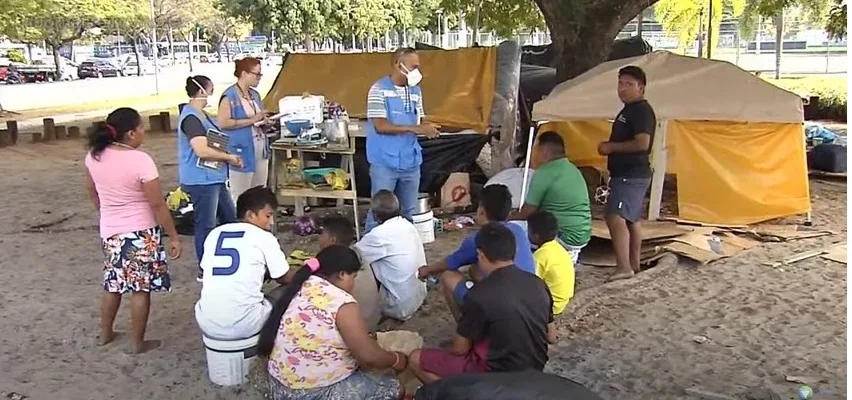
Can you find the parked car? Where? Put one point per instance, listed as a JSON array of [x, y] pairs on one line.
[[98, 69], [132, 69], [44, 70]]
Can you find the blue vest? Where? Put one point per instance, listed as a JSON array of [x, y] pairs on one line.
[[242, 140], [189, 173], [399, 152]]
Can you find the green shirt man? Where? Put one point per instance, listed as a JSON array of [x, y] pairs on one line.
[[558, 187]]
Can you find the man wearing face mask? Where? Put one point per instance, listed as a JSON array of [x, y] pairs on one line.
[[395, 118]]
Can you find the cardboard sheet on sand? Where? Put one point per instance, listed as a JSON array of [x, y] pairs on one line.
[[599, 253], [780, 232], [837, 253], [651, 230]]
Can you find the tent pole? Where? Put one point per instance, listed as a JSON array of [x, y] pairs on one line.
[[527, 166], [660, 154]]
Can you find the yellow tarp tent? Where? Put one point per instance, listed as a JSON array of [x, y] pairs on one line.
[[734, 141], [458, 85]]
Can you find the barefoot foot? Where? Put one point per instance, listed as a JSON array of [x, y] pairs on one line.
[[106, 338], [621, 275], [147, 345]]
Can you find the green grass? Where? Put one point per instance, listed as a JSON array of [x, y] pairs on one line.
[[831, 90]]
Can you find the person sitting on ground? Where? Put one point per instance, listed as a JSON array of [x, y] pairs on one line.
[[506, 320], [553, 263], [558, 187], [340, 230], [495, 203], [394, 250], [316, 341], [235, 262]]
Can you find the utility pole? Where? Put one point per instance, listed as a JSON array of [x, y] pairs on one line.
[[710, 30], [701, 32]]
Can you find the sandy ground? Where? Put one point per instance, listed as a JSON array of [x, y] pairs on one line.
[[626, 340]]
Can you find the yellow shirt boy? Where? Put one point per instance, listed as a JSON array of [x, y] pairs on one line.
[[553, 265]]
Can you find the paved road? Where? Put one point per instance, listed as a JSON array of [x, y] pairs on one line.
[[173, 79]]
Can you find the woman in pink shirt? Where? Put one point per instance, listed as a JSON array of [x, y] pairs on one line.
[[124, 186]]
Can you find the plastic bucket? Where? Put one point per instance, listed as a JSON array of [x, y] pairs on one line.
[[425, 225], [228, 361]]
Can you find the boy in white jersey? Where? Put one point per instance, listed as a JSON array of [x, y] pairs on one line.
[[236, 259]]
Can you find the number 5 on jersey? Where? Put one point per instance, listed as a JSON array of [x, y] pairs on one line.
[[230, 252]]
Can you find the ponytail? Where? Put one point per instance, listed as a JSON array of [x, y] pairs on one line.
[[270, 329], [330, 261], [114, 130]]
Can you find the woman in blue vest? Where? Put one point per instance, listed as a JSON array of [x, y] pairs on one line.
[[240, 109], [394, 119], [203, 170]]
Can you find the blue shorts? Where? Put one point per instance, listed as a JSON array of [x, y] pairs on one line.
[[627, 197], [460, 291]]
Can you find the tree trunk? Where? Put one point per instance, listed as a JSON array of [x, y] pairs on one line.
[[172, 46], [29, 53], [136, 53], [57, 62], [582, 34], [309, 43], [227, 50], [476, 24], [189, 46], [640, 20], [779, 41]]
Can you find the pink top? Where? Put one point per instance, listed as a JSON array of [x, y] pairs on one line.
[[118, 177]]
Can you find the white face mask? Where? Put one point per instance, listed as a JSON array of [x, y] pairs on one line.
[[204, 95], [414, 76]]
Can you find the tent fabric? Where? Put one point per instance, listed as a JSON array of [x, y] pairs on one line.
[[679, 87], [739, 172], [458, 85], [441, 157], [526, 385]]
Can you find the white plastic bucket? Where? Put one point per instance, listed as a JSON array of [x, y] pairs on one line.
[[228, 361], [425, 224]]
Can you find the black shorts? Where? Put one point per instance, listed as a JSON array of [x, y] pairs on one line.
[[627, 197]]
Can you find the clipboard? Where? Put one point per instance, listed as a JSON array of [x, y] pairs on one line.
[[216, 140]]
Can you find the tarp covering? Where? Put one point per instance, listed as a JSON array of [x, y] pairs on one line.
[[679, 87], [739, 172], [622, 48], [458, 85], [441, 157], [526, 385]]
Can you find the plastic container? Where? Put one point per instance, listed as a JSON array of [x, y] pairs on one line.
[[228, 361], [425, 225]]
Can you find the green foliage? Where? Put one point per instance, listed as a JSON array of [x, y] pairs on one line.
[[684, 16], [813, 11], [56, 22], [836, 23], [504, 17], [830, 89], [16, 55]]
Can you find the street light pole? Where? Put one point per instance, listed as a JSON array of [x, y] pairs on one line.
[[710, 30], [156, 50]]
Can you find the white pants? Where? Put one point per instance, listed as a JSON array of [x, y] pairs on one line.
[[225, 326], [242, 181]]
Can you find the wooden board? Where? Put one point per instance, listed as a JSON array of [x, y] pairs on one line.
[[651, 230], [696, 223], [599, 253]]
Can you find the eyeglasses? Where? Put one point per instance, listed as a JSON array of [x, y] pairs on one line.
[[257, 74]]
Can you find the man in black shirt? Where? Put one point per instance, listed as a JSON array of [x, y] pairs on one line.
[[629, 169], [506, 319]]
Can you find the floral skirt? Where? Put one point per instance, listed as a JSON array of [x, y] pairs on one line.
[[136, 262], [361, 385]]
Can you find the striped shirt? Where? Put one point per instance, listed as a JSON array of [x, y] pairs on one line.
[[376, 101]]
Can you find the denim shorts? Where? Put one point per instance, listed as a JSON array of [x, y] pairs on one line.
[[627, 197]]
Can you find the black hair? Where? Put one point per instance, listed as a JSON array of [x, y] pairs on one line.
[[385, 205], [544, 225], [633, 72], [401, 52], [496, 242], [118, 123], [332, 260], [194, 85], [256, 199], [552, 141], [496, 200], [340, 228]]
